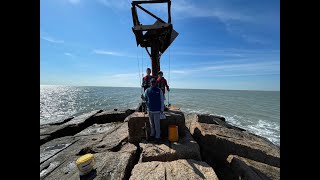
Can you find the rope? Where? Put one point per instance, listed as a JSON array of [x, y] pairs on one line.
[[141, 88], [169, 79], [139, 72], [142, 61]]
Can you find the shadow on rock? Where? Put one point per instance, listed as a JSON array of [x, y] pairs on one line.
[[89, 176]]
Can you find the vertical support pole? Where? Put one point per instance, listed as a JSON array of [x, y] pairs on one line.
[[155, 60], [169, 11]]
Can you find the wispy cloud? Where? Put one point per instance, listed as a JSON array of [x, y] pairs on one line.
[[223, 52], [104, 52], [119, 80], [74, 1], [253, 39], [178, 72], [244, 69], [111, 53], [125, 75], [185, 8], [51, 39], [245, 74], [117, 4], [233, 17], [69, 54]]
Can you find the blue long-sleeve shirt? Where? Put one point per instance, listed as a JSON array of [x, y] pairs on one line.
[[147, 99]]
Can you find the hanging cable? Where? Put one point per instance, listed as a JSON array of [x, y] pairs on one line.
[[142, 61], [139, 72], [169, 80]]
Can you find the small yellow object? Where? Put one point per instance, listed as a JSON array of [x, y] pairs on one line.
[[85, 163], [173, 133]]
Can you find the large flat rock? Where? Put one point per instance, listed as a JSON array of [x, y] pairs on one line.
[[54, 147], [74, 125], [185, 148], [113, 141], [99, 129], [83, 142], [155, 152], [252, 170], [69, 128], [179, 169], [114, 115], [138, 123], [50, 129], [218, 142], [79, 120], [109, 165], [59, 151], [44, 138], [209, 119]]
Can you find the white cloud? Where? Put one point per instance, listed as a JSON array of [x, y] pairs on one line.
[[119, 80], [253, 39], [69, 54], [178, 72], [51, 39], [126, 75], [223, 52], [107, 52], [184, 8], [111, 53], [244, 69]]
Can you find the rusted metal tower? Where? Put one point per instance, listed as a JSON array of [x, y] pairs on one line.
[[157, 36]]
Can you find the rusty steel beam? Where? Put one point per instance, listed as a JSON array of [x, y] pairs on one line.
[[151, 27], [169, 12], [157, 36], [148, 12], [148, 2]]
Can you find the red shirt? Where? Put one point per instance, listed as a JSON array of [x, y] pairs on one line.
[[162, 83], [146, 81]]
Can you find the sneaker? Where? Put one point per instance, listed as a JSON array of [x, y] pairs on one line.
[[157, 140], [151, 138]]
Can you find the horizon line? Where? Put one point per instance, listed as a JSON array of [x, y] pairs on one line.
[[170, 88]]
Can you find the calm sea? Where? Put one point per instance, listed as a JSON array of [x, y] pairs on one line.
[[255, 111]]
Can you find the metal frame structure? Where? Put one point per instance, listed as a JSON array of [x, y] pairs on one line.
[[157, 36]]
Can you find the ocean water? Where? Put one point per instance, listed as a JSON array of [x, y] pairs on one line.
[[255, 111]]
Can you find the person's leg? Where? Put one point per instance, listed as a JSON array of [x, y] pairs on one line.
[[156, 118], [151, 117]]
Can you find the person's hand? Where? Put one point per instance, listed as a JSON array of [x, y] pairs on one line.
[[168, 89], [161, 112]]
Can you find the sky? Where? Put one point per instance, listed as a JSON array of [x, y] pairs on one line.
[[233, 45]]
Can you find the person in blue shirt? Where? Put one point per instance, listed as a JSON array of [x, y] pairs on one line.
[[155, 105]]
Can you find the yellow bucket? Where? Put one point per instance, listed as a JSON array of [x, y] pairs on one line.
[[173, 133], [85, 163]]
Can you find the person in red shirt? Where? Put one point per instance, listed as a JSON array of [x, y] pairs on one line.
[[162, 83], [146, 80]]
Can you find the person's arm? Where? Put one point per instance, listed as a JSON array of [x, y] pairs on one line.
[[146, 98], [143, 83], [162, 101], [166, 84]]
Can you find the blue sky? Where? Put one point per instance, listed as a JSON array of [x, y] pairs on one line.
[[221, 44]]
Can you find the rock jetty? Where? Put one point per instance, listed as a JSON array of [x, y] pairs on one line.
[[208, 148]]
